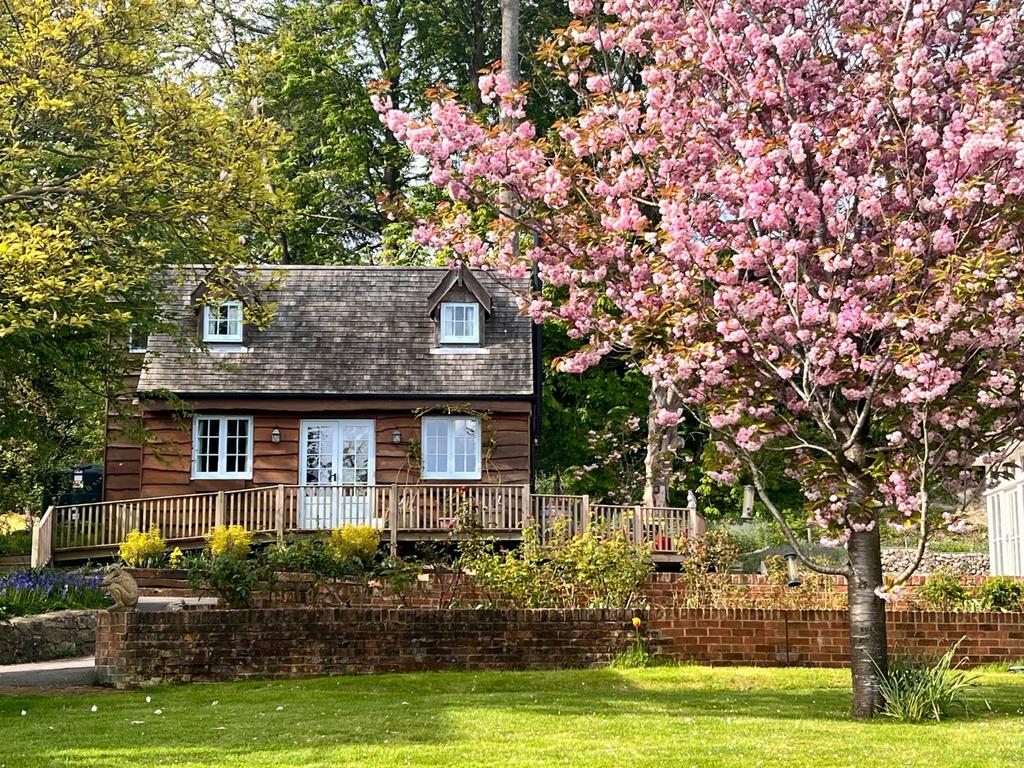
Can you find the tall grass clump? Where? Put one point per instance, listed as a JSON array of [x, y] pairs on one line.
[[924, 688]]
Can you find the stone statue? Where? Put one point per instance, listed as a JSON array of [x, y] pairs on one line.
[[122, 587]]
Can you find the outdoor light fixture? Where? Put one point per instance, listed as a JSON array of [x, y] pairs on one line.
[[747, 511], [794, 577], [275, 435], [396, 436]]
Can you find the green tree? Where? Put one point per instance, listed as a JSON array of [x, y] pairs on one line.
[[355, 188], [117, 168]]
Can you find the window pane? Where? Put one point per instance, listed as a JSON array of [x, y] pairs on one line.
[[208, 452], [435, 446], [236, 453], [466, 445]]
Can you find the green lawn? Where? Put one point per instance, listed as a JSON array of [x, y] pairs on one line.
[[670, 716]]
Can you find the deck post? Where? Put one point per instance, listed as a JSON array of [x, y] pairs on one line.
[[218, 514], [528, 507], [279, 513], [393, 519], [638, 533], [585, 513]]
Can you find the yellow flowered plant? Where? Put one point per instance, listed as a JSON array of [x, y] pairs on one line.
[[360, 541], [177, 557], [141, 549], [231, 540]]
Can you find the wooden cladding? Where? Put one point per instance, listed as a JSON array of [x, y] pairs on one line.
[[164, 464]]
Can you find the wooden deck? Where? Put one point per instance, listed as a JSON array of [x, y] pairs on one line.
[[401, 512]]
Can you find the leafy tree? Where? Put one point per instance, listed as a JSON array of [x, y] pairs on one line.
[[117, 167], [805, 217], [353, 183]]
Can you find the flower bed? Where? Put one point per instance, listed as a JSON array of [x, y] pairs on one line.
[[26, 593]]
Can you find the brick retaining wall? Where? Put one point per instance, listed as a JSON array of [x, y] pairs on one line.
[[208, 645], [747, 636], [134, 648]]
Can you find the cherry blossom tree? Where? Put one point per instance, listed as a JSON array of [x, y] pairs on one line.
[[805, 217]]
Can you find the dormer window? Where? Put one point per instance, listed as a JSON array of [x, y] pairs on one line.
[[222, 323], [460, 323]]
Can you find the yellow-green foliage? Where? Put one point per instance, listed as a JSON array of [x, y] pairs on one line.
[[177, 558], [141, 549], [231, 540], [359, 541]]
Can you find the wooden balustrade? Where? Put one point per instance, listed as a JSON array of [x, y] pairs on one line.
[[42, 540], [411, 511]]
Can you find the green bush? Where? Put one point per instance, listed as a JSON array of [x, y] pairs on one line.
[[1001, 593], [16, 543], [714, 552], [232, 579], [922, 688], [312, 555], [942, 592], [599, 568]]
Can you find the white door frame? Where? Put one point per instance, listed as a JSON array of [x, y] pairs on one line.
[[335, 506]]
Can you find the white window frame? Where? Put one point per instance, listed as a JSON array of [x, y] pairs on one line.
[[133, 346], [222, 447], [229, 338], [449, 473], [448, 307]]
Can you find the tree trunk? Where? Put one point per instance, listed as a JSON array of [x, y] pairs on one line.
[[662, 442], [510, 40], [868, 649]]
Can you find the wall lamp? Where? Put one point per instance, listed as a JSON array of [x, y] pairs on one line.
[[396, 436], [275, 435]]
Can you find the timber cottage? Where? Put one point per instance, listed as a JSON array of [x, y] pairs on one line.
[[365, 376], [400, 398]]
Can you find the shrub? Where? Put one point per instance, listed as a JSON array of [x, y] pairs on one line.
[[598, 568], [1001, 593], [143, 550], [25, 593], [16, 543], [231, 578], [922, 688], [358, 542], [942, 591], [311, 555], [714, 552], [15, 534], [230, 540]]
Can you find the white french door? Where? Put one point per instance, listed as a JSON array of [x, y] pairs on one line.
[[336, 469]]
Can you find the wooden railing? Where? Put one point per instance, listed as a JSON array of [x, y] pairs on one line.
[[414, 511], [42, 540]]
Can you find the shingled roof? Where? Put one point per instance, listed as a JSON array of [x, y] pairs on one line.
[[351, 331]]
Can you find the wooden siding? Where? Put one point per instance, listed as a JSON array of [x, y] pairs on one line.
[[122, 456], [166, 462]]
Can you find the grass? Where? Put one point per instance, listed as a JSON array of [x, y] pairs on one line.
[[665, 716]]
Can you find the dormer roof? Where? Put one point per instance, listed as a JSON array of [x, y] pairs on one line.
[[459, 277]]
